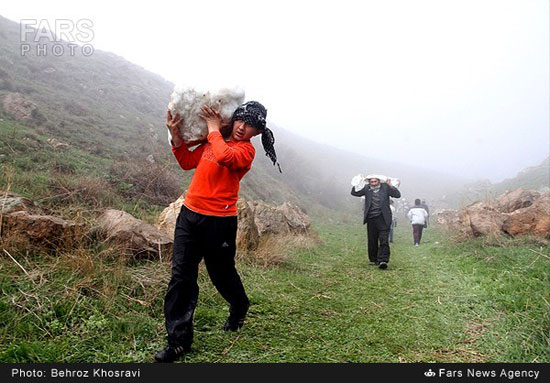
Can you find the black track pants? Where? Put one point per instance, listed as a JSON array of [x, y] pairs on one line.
[[199, 236]]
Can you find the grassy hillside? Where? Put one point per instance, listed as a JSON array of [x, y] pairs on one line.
[[532, 178], [535, 178], [111, 113], [446, 302]]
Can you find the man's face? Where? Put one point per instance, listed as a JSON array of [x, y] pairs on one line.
[[374, 182]]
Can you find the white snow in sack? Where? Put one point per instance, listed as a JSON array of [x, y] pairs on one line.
[[187, 101]]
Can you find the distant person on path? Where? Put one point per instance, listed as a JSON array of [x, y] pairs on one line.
[[418, 216], [425, 207], [378, 218], [393, 220], [206, 226]]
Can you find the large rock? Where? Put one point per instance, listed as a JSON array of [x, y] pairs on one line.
[[41, 230], [248, 236], [482, 218], [513, 200], [167, 219], [10, 202], [135, 237], [255, 219], [446, 217], [534, 219], [515, 212], [24, 223], [296, 219], [268, 219]]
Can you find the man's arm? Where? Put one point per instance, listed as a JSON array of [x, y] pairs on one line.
[[359, 193], [394, 192]]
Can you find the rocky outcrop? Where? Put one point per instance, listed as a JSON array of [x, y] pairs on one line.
[[447, 217], [10, 202], [248, 235], [40, 230], [23, 222], [482, 219], [167, 219], [255, 220], [534, 219], [26, 224], [133, 236], [286, 218], [268, 219], [517, 212], [516, 199], [297, 220]]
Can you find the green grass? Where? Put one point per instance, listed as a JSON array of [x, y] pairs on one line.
[[439, 302]]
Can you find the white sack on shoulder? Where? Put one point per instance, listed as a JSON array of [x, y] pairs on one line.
[[360, 180], [187, 101]]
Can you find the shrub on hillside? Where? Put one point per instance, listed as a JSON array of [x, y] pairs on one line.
[[75, 192], [153, 182]]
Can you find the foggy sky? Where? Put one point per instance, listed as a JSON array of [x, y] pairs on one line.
[[455, 86]]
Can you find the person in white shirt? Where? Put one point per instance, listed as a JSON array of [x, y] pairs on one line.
[[418, 216]]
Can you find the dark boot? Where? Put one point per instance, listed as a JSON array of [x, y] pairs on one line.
[[171, 353], [236, 318]]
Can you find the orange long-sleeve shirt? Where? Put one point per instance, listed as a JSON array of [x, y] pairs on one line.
[[214, 189]]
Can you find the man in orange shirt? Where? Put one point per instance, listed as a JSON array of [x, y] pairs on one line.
[[207, 223]]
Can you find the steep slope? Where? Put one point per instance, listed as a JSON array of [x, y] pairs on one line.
[[111, 113]]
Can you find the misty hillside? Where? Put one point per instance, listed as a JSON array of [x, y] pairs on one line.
[[105, 108], [111, 114], [532, 178]]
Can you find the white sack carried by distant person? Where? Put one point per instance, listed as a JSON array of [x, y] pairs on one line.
[[187, 101], [359, 181]]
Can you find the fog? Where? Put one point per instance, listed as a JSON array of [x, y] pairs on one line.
[[460, 87]]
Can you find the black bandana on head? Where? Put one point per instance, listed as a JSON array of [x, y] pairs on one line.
[[254, 114]]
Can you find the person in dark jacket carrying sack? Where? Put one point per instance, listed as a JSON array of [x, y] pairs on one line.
[[207, 223], [378, 218]]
